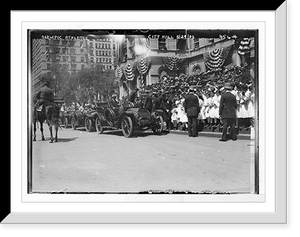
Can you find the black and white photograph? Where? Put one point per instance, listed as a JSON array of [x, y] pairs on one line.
[[143, 111], [162, 117]]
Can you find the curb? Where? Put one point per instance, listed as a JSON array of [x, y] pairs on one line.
[[212, 134]]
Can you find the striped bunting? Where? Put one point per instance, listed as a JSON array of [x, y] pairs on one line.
[[142, 66], [172, 63], [244, 47], [119, 73], [215, 59], [129, 72]]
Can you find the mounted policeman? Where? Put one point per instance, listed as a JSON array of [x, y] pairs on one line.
[[46, 110], [44, 95]]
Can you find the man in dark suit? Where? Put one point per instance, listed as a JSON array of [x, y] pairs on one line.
[[132, 96], [148, 104], [227, 112], [192, 109]]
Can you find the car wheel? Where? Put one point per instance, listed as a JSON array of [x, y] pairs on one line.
[[159, 125], [73, 124], [88, 124], [127, 126], [98, 125]]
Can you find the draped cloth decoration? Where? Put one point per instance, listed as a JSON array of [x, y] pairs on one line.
[[142, 66], [129, 72], [119, 73], [172, 63], [215, 59], [244, 47]]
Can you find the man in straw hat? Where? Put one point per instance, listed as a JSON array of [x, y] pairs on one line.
[[227, 112]]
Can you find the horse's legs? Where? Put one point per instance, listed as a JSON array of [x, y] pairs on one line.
[[56, 130], [51, 134], [42, 130], [34, 131]]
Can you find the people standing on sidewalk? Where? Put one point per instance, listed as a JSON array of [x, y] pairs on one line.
[[192, 109], [227, 112]]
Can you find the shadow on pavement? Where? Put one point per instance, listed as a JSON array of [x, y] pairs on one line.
[[136, 134], [60, 139]]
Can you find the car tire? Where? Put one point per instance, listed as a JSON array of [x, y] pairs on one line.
[[127, 126], [159, 125], [88, 124], [98, 125]]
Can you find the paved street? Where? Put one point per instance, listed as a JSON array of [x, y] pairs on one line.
[[109, 162]]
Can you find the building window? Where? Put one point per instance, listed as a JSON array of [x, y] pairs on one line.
[[82, 59], [171, 44]]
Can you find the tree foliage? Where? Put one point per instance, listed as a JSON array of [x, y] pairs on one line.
[[83, 85]]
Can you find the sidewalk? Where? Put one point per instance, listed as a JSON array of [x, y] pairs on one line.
[[212, 134]]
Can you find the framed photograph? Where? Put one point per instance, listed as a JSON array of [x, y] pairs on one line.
[[159, 120]]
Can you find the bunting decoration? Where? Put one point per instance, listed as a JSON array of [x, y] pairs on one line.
[[172, 63], [129, 72], [215, 59], [142, 66], [119, 73], [244, 47]]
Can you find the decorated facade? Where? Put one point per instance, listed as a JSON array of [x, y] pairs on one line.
[[146, 61]]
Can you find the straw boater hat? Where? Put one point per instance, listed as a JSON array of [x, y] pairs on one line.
[[228, 86]]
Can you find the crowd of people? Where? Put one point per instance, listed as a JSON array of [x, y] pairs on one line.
[[169, 94], [208, 87]]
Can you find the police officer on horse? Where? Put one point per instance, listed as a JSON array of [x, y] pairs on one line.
[[44, 95]]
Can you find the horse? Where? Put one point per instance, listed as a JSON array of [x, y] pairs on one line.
[[50, 114]]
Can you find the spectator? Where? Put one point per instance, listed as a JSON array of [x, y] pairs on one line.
[[228, 113]]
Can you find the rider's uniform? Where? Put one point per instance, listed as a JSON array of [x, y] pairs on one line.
[[45, 95]]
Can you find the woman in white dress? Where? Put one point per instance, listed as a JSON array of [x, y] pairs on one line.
[[203, 108], [208, 110], [174, 116], [182, 115], [216, 105]]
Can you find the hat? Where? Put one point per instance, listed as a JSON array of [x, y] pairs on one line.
[[228, 86], [191, 89]]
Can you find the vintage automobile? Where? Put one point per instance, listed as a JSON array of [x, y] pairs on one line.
[[127, 117], [65, 117], [84, 118]]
